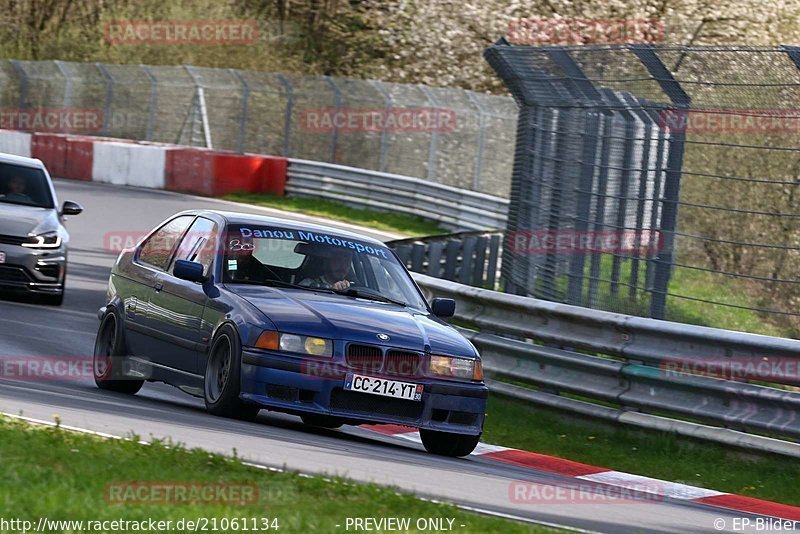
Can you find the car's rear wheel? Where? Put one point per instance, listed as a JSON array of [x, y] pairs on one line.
[[107, 359], [447, 443], [222, 382], [322, 421]]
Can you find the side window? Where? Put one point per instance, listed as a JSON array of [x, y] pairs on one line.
[[157, 250], [199, 244]]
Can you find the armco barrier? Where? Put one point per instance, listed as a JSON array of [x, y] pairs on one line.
[[628, 368], [453, 208]]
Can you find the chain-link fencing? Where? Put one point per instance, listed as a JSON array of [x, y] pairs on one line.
[[448, 136], [657, 180]]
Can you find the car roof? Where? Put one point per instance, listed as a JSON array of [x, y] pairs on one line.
[[20, 160], [233, 217]]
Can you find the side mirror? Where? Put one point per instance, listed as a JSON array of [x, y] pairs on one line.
[[71, 208], [443, 308], [189, 270]]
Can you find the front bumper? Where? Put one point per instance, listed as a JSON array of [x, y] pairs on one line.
[[33, 270], [299, 386]]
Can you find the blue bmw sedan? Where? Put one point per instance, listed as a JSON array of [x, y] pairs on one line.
[[254, 313]]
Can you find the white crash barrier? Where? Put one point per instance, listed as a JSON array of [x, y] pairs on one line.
[[17, 143], [129, 164]]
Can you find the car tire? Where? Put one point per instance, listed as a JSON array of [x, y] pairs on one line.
[[447, 443], [322, 421], [222, 379], [107, 358]]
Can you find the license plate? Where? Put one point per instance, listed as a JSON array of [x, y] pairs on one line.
[[383, 387], [2, 257]]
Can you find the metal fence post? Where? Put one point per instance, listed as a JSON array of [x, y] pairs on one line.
[[337, 101], [245, 103], [387, 103], [200, 95], [109, 97], [151, 112], [67, 84], [476, 181], [669, 218], [23, 83], [287, 124], [433, 147]]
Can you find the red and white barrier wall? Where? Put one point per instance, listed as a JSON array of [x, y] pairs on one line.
[[153, 165]]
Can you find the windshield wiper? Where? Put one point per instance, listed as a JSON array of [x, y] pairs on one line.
[[360, 293], [281, 283]]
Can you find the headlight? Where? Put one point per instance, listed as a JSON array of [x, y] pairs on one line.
[[463, 368], [48, 240], [314, 346]]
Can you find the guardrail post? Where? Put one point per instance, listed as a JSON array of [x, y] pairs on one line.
[[669, 218]]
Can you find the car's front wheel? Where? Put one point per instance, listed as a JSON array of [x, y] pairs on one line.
[[222, 382], [447, 443], [107, 359]]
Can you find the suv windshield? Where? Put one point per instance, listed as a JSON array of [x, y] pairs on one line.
[[317, 261], [23, 185]]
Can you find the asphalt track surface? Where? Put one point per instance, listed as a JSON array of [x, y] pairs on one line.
[[276, 440]]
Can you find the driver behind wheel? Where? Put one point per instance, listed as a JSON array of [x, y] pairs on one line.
[[17, 186], [334, 273]]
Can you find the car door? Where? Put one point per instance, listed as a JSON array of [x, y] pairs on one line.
[[137, 280], [176, 306]]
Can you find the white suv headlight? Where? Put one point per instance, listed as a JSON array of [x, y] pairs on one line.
[[48, 240]]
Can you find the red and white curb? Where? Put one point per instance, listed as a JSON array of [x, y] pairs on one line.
[[577, 470]]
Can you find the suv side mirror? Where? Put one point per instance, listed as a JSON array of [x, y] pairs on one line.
[[189, 270], [443, 308], [71, 208]]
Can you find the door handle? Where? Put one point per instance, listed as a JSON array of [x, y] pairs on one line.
[[159, 286]]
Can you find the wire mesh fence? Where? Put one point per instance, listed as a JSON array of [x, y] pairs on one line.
[[669, 173], [447, 136]]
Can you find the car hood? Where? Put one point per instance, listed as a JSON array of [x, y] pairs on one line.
[[21, 221], [338, 317]]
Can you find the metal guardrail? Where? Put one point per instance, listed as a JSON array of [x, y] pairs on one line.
[[453, 208], [622, 373]]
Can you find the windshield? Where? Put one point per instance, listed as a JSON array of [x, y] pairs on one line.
[[27, 186], [317, 261]]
